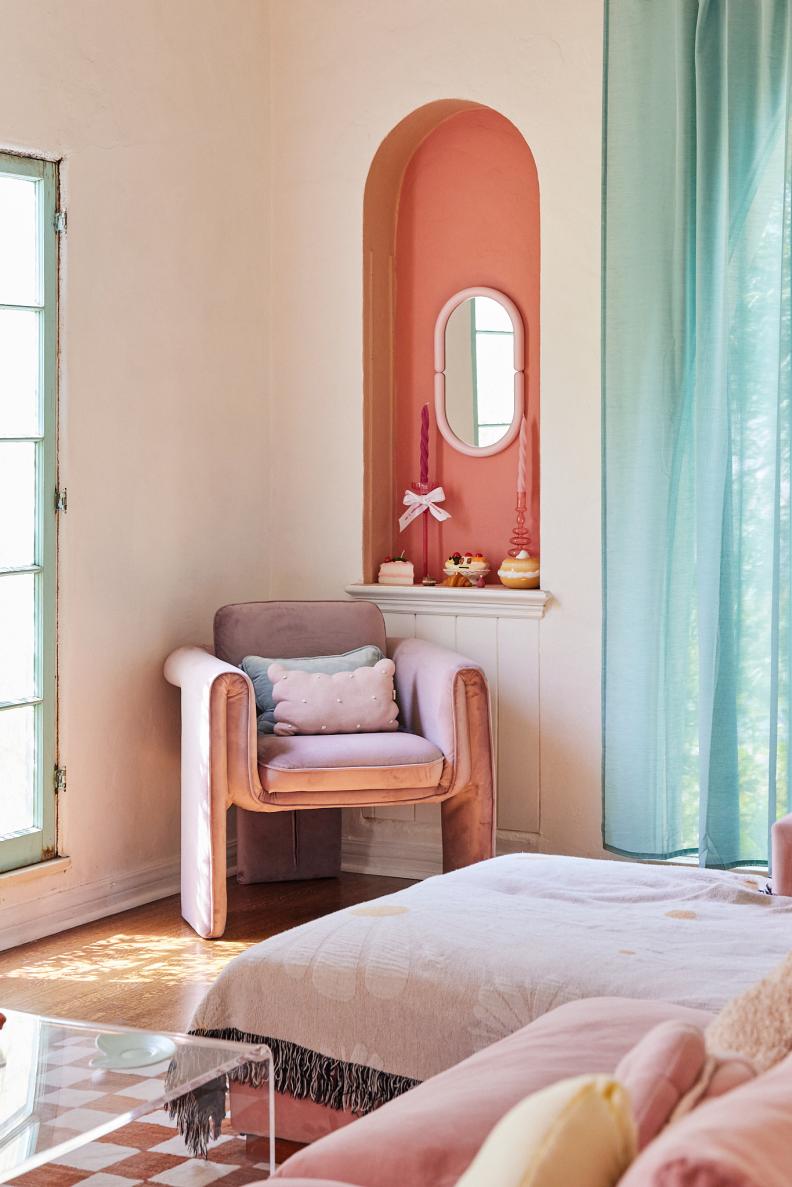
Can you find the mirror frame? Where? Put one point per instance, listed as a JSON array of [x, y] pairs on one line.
[[440, 362]]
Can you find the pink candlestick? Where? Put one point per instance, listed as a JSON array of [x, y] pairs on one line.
[[424, 450], [522, 459]]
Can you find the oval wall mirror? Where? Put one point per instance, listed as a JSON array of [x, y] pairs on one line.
[[479, 364]]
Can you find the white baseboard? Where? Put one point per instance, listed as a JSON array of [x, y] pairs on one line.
[[395, 854], [58, 909], [392, 857], [510, 842]]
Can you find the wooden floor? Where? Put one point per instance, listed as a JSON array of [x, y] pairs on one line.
[[147, 967]]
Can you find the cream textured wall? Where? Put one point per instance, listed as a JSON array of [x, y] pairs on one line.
[[343, 74], [159, 111]]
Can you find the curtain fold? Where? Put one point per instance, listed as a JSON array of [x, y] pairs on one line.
[[696, 428]]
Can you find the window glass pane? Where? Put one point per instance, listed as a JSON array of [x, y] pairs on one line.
[[18, 765], [495, 378], [17, 503], [19, 364], [17, 638], [18, 241], [491, 315]]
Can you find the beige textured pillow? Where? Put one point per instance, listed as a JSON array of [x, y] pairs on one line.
[[362, 701], [578, 1133], [758, 1024]]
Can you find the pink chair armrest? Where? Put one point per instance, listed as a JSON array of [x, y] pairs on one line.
[[444, 697], [219, 768], [781, 845], [426, 680]]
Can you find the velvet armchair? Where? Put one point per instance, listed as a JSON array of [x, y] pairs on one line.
[[288, 791]]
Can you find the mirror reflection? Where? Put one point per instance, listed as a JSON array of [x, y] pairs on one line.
[[479, 374]]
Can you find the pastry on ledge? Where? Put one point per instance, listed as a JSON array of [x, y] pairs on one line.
[[520, 571], [467, 563], [396, 570]]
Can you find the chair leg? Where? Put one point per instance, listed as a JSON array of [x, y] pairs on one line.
[[468, 818], [204, 900], [283, 846]]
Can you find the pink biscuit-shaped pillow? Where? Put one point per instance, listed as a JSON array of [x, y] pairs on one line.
[[342, 703]]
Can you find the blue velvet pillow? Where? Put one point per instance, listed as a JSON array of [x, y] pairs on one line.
[[257, 667]]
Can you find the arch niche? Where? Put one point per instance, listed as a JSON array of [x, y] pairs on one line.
[[451, 202]]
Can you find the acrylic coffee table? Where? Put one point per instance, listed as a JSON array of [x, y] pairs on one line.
[[64, 1084]]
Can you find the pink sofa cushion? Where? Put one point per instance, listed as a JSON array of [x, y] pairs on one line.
[[659, 1070], [429, 1136], [669, 1069], [347, 762], [741, 1139], [334, 703]]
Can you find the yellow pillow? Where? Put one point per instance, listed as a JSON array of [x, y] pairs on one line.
[[578, 1133]]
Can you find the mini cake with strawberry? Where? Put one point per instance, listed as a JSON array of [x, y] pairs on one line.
[[396, 570], [472, 567], [466, 563]]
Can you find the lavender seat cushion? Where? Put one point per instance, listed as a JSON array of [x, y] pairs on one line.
[[341, 762]]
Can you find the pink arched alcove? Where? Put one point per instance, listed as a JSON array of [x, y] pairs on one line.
[[451, 202]]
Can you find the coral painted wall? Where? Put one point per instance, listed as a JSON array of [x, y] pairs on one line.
[[468, 215]]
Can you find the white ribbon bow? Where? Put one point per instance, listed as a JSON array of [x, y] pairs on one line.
[[417, 504]]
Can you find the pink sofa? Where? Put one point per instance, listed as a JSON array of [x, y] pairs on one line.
[[429, 1136]]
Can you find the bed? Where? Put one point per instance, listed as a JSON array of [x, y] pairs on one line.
[[361, 1005]]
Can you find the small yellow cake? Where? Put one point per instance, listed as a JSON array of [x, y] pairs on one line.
[[520, 571]]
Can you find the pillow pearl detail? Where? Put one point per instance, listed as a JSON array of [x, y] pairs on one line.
[[313, 702]]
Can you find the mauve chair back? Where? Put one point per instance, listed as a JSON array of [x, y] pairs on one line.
[[286, 630]]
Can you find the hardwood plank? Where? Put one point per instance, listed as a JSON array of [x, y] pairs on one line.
[[148, 968]]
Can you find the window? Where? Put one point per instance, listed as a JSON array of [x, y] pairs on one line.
[[492, 338], [28, 345]]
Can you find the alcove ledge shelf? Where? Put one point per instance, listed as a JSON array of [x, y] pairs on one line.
[[491, 601]]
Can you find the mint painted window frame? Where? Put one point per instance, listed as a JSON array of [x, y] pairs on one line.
[[39, 843]]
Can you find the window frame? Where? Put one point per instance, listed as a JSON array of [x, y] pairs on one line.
[[31, 846]]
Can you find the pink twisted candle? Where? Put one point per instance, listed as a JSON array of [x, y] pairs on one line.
[[424, 452], [522, 459]]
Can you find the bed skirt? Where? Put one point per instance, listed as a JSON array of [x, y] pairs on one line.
[[300, 1073]]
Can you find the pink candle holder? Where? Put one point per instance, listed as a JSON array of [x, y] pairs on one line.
[[520, 538], [423, 488]]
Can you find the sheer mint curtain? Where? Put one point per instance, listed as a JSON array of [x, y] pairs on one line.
[[697, 421]]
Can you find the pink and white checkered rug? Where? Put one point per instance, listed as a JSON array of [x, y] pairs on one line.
[[149, 1150]]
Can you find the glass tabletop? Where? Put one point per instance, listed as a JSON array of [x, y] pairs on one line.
[[65, 1083]]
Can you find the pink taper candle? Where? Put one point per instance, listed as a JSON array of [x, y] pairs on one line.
[[424, 455], [522, 459]]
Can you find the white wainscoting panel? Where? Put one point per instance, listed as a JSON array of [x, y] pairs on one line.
[[498, 629]]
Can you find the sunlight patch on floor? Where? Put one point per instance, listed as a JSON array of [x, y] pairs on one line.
[[166, 960]]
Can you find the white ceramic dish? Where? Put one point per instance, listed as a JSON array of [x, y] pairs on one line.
[[121, 1051]]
